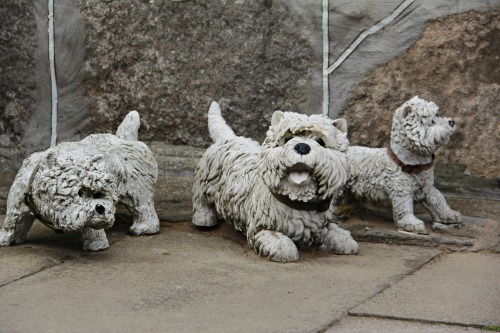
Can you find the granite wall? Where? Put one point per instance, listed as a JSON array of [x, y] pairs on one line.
[[169, 59]]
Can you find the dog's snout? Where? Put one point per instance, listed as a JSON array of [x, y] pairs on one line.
[[302, 148], [451, 122], [100, 209]]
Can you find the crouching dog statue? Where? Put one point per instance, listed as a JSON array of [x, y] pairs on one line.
[[76, 185], [277, 194], [403, 172]]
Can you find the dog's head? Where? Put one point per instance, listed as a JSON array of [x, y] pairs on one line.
[[304, 157], [417, 127], [72, 192]]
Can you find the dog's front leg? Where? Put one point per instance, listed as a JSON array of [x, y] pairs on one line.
[[94, 240], [337, 240], [435, 203], [402, 208], [275, 246], [204, 213], [146, 221]]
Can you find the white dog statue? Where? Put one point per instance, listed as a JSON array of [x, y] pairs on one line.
[[277, 194], [403, 172], [76, 185]]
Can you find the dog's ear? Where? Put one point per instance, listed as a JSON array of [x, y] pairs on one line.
[[51, 160], [340, 124], [406, 111], [277, 116]]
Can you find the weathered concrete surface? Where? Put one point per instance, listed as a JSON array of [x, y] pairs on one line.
[[377, 325], [475, 234], [185, 280], [456, 288], [44, 249]]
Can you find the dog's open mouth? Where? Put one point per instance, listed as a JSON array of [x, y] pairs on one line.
[[299, 173]]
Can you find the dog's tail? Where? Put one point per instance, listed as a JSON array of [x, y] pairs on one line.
[[129, 128], [217, 126]]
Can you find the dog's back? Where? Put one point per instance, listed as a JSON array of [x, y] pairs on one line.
[[368, 170]]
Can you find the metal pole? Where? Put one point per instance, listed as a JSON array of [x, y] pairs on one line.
[[53, 138], [326, 50]]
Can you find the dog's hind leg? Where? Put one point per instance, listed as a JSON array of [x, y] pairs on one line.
[[435, 203], [16, 227], [204, 214], [337, 240], [402, 208], [275, 246], [94, 239]]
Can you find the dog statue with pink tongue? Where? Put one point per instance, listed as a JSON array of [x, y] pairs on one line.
[[279, 193]]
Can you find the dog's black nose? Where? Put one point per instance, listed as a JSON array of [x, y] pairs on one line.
[[302, 148], [100, 209], [451, 122]]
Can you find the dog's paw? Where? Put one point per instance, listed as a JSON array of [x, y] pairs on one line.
[[338, 241], [144, 229], [205, 217], [6, 238], [95, 245], [453, 217], [94, 240], [275, 246], [410, 223]]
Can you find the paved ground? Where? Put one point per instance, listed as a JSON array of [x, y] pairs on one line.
[[188, 280]]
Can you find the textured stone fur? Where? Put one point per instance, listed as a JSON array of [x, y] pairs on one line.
[[236, 177], [70, 181], [417, 131]]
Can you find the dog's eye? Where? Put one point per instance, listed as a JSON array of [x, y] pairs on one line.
[[287, 139], [98, 195], [80, 193], [321, 142]]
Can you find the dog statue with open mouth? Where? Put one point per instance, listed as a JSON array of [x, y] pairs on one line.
[[277, 194]]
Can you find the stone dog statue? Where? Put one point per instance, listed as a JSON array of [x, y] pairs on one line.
[[277, 194], [403, 172], [76, 185]]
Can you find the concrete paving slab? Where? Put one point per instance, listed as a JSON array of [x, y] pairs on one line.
[[44, 248], [184, 280], [458, 288], [378, 325]]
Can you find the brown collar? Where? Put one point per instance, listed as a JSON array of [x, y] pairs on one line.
[[409, 168], [318, 206], [28, 196]]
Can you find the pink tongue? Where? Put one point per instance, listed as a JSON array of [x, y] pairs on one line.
[[299, 176]]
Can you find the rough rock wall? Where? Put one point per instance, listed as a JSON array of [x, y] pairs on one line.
[[17, 79], [170, 59], [455, 64]]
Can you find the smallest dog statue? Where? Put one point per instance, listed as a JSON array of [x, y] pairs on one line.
[[277, 194], [403, 172], [76, 185]]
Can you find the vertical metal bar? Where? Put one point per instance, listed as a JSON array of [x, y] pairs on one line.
[[53, 82], [326, 50]]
